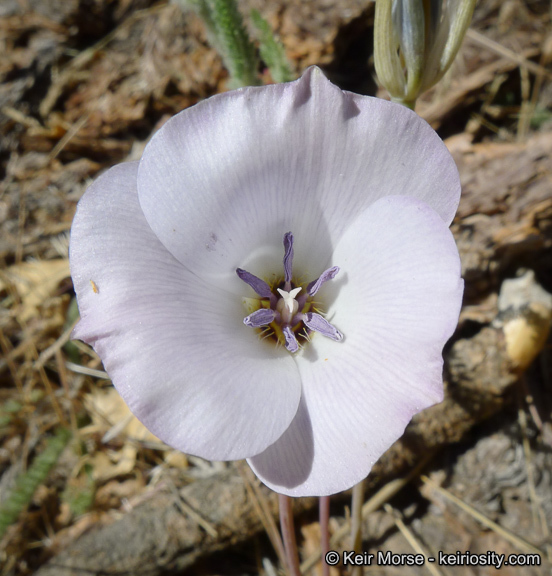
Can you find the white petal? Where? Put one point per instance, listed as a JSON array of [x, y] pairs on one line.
[[397, 301], [176, 348], [222, 182]]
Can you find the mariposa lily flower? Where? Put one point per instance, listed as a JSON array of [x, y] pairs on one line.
[[275, 279]]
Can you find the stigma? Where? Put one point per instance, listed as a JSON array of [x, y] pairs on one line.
[[282, 311], [287, 306]]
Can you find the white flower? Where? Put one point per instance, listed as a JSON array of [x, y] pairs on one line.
[[362, 184]]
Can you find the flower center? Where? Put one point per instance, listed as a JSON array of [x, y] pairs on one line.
[[282, 312], [287, 305]]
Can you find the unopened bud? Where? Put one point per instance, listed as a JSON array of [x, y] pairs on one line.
[[416, 41]]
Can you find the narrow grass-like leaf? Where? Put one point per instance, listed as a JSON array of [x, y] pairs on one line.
[[238, 52], [227, 34], [272, 51], [28, 482], [204, 11]]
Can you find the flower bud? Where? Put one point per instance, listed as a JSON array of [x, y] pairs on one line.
[[415, 43]]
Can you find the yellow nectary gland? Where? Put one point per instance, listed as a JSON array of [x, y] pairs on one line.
[[274, 330], [280, 313]]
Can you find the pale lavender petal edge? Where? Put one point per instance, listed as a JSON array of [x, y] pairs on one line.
[[175, 347], [223, 181], [397, 307]]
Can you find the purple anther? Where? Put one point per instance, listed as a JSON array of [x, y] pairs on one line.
[[291, 342], [260, 318], [317, 323], [288, 258], [286, 310], [315, 285], [260, 286]]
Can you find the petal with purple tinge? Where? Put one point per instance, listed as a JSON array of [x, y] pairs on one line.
[[223, 181], [176, 349], [398, 300]]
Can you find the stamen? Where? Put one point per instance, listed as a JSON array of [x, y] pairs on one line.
[[315, 285], [284, 316], [260, 286], [260, 318], [318, 323], [288, 258], [291, 342]]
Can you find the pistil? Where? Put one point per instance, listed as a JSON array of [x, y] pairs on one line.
[[287, 305]]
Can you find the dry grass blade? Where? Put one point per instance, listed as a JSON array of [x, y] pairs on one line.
[[536, 506], [45, 355], [374, 503], [185, 508], [263, 511], [87, 371], [49, 388], [456, 96], [62, 371], [411, 539], [507, 53], [518, 542], [18, 116], [82, 59], [69, 135], [117, 428]]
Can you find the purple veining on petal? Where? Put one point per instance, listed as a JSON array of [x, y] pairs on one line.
[[315, 285], [317, 323], [260, 286], [288, 258], [291, 342], [260, 318]]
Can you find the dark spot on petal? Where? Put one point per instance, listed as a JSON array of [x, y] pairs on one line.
[[211, 242]]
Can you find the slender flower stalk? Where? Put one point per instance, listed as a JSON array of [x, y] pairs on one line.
[[275, 279], [324, 516], [415, 43], [288, 535], [356, 523]]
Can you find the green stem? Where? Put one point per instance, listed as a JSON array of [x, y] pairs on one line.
[[408, 103]]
